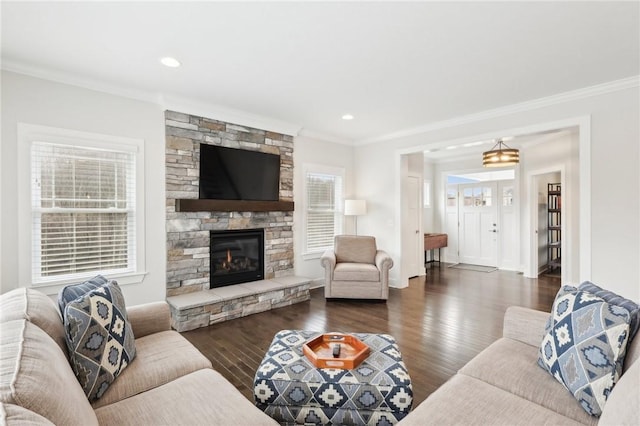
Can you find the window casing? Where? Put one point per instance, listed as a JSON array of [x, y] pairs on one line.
[[79, 207], [324, 219]]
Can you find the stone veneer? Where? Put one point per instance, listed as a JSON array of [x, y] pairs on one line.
[[188, 233], [200, 309]]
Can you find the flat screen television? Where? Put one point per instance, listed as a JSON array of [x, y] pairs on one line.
[[238, 174]]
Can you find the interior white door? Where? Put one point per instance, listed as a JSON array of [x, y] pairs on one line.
[[414, 192], [478, 230]]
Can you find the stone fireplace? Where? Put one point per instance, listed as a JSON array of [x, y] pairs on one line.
[[188, 231], [236, 256]]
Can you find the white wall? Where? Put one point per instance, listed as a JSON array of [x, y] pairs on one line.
[[36, 101], [308, 150], [610, 245]]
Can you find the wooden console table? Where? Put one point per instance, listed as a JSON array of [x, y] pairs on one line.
[[432, 242]]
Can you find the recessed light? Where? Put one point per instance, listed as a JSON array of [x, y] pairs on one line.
[[452, 147], [170, 62], [348, 117]]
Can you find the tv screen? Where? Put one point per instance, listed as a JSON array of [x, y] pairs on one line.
[[237, 174]]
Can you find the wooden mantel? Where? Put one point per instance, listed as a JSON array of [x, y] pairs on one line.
[[198, 205]]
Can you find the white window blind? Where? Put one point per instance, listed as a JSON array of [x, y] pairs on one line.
[[324, 200], [83, 211]]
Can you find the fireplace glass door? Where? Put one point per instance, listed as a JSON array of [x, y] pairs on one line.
[[237, 256]]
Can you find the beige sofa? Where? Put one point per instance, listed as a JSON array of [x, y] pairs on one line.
[[503, 385], [356, 269], [168, 383]]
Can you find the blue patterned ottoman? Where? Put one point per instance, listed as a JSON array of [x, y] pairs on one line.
[[289, 388]]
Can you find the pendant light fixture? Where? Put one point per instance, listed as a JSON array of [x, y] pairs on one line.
[[500, 156]]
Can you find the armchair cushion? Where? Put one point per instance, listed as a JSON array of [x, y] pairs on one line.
[[355, 249], [348, 271]]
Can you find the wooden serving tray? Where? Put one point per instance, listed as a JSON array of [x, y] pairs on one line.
[[319, 351]]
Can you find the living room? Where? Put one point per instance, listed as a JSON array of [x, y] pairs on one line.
[[587, 82]]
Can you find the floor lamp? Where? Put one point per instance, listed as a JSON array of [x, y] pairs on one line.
[[355, 208]]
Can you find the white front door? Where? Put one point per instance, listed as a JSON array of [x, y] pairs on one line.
[[478, 231]]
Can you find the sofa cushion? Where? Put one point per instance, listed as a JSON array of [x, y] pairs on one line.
[[99, 338], [203, 397], [347, 271], [160, 358], [464, 400], [73, 291], [36, 375], [623, 405], [35, 307], [585, 346], [511, 366], [16, 415], [355, 249]]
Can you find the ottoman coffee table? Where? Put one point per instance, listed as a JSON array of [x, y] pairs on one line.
[[292, 390]]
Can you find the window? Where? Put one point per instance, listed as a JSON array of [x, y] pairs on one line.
[[323, 207], [426, 197], [83, 216]]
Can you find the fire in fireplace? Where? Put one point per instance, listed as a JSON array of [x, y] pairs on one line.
[[236, 256]]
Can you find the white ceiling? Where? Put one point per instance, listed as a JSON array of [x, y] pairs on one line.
[[394, 66]]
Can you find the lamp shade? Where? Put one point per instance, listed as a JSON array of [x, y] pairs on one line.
[[355, 207]]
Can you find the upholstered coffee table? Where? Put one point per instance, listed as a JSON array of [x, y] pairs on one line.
[[289, 388]]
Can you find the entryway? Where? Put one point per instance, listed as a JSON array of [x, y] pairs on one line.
[[481, 220]]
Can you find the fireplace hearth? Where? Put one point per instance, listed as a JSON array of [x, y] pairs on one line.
[[236, 256]]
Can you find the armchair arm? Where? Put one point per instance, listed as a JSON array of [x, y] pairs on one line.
[[328, 260], [149, 318], [524, 324], [383, 261]]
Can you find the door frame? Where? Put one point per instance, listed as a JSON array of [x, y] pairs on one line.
[[531, 240], [582, 123]]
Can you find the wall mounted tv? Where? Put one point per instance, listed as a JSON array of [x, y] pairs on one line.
[[238, 174]]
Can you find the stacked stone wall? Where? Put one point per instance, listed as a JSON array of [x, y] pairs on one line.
[[187, 232]]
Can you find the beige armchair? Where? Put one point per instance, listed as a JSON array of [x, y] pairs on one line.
[[356, 269]]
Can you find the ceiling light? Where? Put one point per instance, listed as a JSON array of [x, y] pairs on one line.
[[170, 62], [348, 117], [473, 144], [500, 155], [452, 147]]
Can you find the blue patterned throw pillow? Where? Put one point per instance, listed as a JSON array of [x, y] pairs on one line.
[[99, 338], [583, 345], [615, 299], [73, 291]]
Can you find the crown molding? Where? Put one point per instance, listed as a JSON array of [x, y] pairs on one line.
[[324, 137], [228, 115], [600, 89], [77, 81], [178, 104]]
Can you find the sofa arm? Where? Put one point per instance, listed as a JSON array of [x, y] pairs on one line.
[[149, 318], [524, 324], [383, 261]]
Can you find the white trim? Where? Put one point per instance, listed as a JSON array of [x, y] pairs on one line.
[[573, 95], [532, 270], [123, 279], [29, 133], [228, 115], [583, 123], [311, 134], [187, 106], [320, 169]]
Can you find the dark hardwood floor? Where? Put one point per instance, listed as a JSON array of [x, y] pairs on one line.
[[440, 322]]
